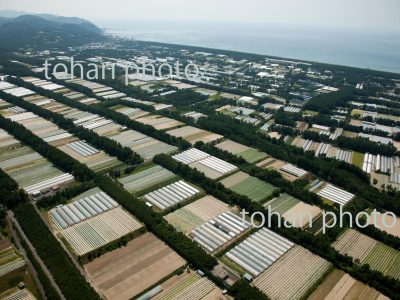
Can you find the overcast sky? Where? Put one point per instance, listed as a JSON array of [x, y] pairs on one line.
[[363, 14]]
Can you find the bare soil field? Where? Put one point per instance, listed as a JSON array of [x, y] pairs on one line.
[[232, 147], [127, 271], [339, 285], [301, 213], [395, 230]]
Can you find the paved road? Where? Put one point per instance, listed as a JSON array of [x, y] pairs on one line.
[[12, 219]]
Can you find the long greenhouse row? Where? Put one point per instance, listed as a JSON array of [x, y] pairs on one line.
[[219, 231], [259, 251], [292, 275], [100, 230], [335, 194], [145, 179], [196, 213], [80, 210], [211, 166], [30, 170], [145, 146], [171, 194]]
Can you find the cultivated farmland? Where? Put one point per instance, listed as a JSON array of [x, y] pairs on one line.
[[193, 134], [259, 251], [127, 271], [335, 194], [144, 145], [366, 250], [292, 275], [219, 231], [211, 166], [49, 132], [293, 210], [92, 221], [251, 155], [196, 213], [132, 113], [251, 187], [171, 194], [395, 230], [28, 168], [189, 286], [339, 285], [147, 178], [159, 122]]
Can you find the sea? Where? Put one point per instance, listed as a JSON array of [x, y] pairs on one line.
[[341, 46]]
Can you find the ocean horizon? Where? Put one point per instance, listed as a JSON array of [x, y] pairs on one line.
[[355, 48]]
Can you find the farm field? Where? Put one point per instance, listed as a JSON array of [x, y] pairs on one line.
[[288, 171], [196, 213], [293, 210], [219, 231], [339, 285], [250, 155], [132, 113], [369, 251], [249, 186], [159, 122], [193, 134], [211, 166], [335, 194], [189, 286], [395, 230], [143, 145], [10, 260], [259, 251], [49, 132], [147, 178], [171, 194], [292, 275], [91, 221], [127, 271], [28, 168]]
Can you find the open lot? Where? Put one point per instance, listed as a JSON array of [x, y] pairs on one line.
[[126, 272]]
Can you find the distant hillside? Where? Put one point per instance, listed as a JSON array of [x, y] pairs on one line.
[[44, 31]]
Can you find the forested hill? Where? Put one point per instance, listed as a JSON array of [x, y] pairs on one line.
[[45, 31]]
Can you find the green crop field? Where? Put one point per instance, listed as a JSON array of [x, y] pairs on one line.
[[384, 259], [282, 203], [254, 188], [252, 155]]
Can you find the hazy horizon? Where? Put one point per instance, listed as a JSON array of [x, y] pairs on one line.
[[359, 33]]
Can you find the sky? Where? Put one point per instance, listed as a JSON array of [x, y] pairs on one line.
[[376, 15]]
